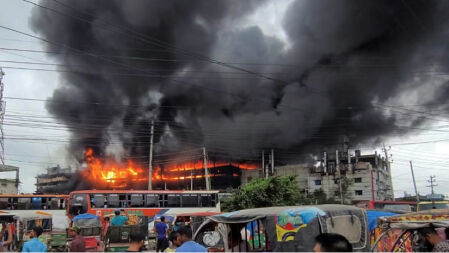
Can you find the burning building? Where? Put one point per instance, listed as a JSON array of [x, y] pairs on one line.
[[55, 180], [204, 74]]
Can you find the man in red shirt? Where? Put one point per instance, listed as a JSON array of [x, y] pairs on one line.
[[78, 242]]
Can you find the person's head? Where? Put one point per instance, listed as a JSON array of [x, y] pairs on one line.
[[137, 239], [174, 238], [184, 234], [162, 219], [117, 212], [36, 232], [106, 219], [74, 231], [329, 242], [429, 235]]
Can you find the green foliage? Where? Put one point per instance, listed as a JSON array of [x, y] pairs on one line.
[[347, 195], [265, 192]]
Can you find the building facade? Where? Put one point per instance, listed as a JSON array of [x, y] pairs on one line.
[[363, 177], [53, 180], [8, 186]]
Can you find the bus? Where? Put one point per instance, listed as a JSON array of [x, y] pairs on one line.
[[141, 202], [400, 206], [22, 204], [428, 205]]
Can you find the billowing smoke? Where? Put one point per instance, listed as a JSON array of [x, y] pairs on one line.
[[207, 80]]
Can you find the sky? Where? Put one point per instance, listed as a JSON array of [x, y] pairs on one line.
[[430, 156]]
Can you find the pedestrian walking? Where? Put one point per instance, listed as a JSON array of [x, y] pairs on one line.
[[161, 230]]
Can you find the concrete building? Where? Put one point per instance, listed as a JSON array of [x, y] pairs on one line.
[[367, 176], [51, 181], [8, 186]]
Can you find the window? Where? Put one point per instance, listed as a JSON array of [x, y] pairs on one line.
[[136, 200], [358, 192], [173, 200], [4, 184], [113, 200], [152, 200], [24, 203], [189, 200], [206, 200], [97, 200], [357, 180], [317, 182]]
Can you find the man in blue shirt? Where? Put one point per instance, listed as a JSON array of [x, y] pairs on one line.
[[118, 220], [161, 229], [35, 245], [185, 237]]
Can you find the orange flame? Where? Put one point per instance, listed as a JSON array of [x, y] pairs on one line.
[[117, 175], [112, 174]]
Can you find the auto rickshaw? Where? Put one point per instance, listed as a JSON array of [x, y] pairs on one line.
[[193, 219], [117, 237], [25, 224], [400, 232], [58, 236], [91, 231], [289, 229]]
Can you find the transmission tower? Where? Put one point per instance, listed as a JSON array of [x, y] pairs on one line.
[[2, 115]]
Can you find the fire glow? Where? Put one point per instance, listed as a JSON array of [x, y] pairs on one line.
[[118, 175]]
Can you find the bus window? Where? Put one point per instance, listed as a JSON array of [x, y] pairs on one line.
[[206, 200], [36, 203], [113, 200], [173, 200], [152, 200], [136, 200], [24, 203], [189, 200], [3, 203], [98, 201], [79, 204]]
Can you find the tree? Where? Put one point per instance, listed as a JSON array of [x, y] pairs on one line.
[[265, 192], [345, 184]]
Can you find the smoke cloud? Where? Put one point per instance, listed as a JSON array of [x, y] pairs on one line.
[[344, 61]]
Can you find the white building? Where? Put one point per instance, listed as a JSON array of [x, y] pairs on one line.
[[8, 186], [368, 177]]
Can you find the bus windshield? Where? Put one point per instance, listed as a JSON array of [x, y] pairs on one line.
[[436, 205]]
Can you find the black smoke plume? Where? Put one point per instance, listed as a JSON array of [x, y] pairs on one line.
[[209, 81]]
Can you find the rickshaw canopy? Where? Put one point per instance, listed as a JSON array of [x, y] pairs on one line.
[[435, 218]]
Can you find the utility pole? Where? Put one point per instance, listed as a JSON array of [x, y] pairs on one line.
[[272, 162], [206, 170], [337, 165], [150, 165], [432, 181], [263, 165], [389, 168], [414, 182]]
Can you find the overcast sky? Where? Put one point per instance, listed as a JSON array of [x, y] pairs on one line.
[[33, 157]]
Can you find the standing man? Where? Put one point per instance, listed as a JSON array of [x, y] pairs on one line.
[[35, 245], [187, 245], [430, 236], [161, 230], [78, 242], [118, 220]]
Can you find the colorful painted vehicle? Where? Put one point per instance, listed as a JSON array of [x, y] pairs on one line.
[[141, 202], [91, 230], [399, 232], [289, 229], [117, 237]]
